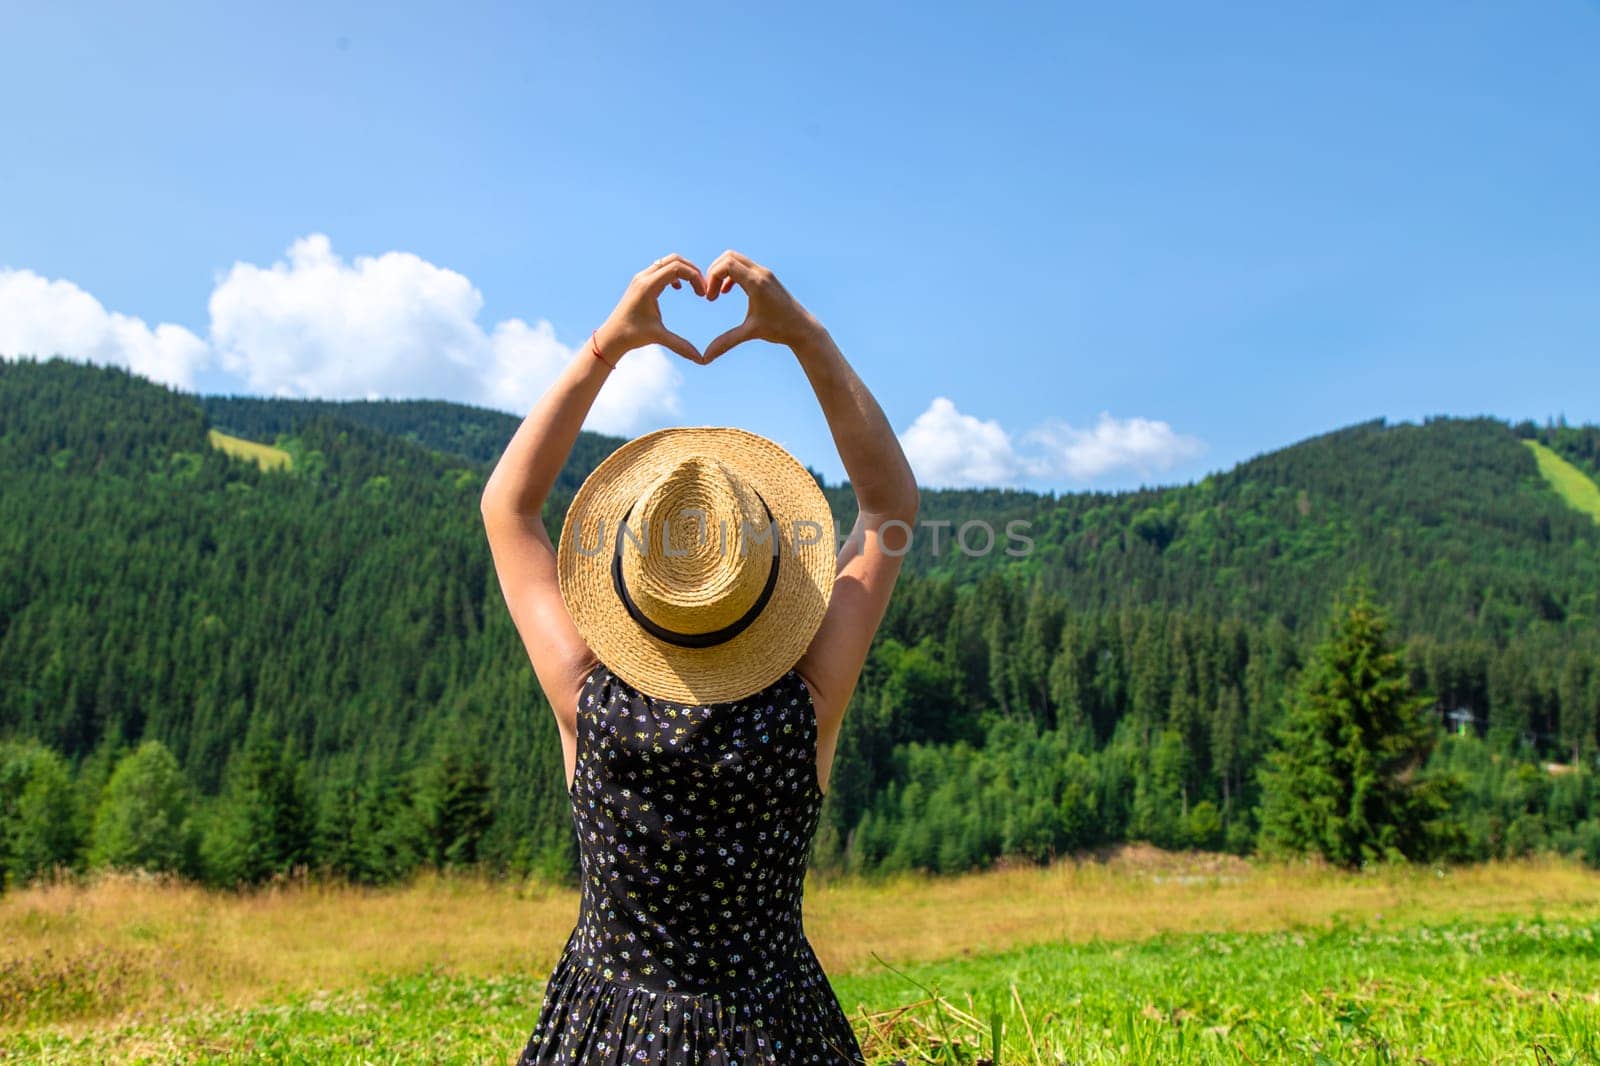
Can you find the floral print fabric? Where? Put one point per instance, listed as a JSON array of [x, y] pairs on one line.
[[694, 830]]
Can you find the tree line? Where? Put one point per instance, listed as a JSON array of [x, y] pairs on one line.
[[1356, 767], [234, 673]]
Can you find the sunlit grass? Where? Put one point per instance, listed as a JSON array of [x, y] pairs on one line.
[[1576, 487], [450, 969], [264, 455], [1466, 991]]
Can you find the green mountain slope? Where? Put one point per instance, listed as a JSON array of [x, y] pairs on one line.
[[1449, 520], [475, 434], [345, 605]]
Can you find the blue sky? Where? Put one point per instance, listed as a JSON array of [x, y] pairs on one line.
[[1066, 245]]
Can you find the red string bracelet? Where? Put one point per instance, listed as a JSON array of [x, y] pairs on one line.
[[595, 342]]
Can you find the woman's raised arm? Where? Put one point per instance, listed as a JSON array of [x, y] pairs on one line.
[[514, 497], [884, 485]]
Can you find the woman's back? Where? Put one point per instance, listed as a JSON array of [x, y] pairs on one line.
[[694, 828], [700, 564]]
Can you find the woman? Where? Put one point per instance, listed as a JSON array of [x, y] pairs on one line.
[[698, 639]]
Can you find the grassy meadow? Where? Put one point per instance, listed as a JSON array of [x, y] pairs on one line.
[[265, 456], [1142, 957], [1573, 485]]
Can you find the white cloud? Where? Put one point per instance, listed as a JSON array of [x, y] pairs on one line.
[[40, 317], [1115, 445], [315, 325], [395, 325], [948, 448], [525, 359]]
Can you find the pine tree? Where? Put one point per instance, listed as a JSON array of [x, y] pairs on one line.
[[1227, 736], [1580, 708], [455, 806], [261, 824], [1344, 782]]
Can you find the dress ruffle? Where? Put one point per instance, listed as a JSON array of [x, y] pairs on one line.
[[785, 1022]]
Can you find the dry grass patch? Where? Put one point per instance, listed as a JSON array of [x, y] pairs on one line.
[[122, 945], [1136, 892]]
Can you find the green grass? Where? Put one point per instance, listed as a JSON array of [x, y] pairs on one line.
[[1460, 992], [1480, 992], [1573, 485], [264, 455]]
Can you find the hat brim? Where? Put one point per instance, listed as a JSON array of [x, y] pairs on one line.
[[779, 636]]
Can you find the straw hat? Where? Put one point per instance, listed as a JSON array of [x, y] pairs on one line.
[[697, 562]]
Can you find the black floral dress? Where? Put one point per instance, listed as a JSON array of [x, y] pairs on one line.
[[694, 830]]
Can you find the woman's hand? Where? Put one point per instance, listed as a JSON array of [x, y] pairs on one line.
[[773, 315], [636, 321]]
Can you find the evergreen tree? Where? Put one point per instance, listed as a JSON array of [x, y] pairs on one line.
[[1344, 782], [455, 806], [1150, 641], [1227, 737], [1160, 806], [261, 825], [1580, 707], [370, 833]]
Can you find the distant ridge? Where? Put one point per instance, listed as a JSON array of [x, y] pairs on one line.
[[344, 606]]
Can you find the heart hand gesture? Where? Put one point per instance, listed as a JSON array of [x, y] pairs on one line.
[[636, 320], [773, 315]]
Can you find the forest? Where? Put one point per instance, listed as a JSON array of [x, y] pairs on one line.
[[237, 673]]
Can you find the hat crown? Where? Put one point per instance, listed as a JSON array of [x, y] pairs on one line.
[[689, 560], [712, 619]]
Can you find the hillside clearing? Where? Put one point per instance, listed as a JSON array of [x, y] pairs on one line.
[[264, 455], [1572, 484]]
